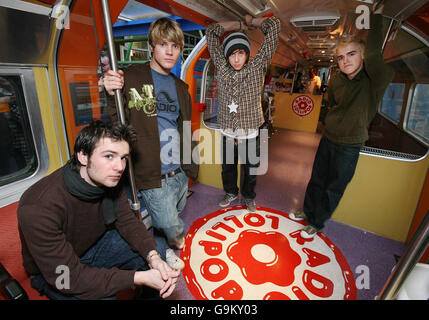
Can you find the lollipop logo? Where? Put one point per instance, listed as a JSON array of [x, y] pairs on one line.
[[234, 254]]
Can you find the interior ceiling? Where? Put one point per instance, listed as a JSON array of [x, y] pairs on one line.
[[322, 21]]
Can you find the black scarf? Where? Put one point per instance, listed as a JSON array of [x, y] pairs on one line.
[[82, 190]]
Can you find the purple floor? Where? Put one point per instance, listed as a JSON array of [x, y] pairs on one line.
[[371, 257]]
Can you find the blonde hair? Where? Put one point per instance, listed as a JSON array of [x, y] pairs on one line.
[[344, 41], [168, 29]]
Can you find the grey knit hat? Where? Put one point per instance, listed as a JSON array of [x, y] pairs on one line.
[[234, 41]]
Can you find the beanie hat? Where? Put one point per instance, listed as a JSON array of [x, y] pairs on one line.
[[234, 41]]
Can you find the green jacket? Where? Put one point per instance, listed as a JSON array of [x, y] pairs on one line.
[[354, 103]]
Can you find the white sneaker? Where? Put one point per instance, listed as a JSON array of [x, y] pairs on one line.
[[173, 261], [298, 216], [308, 232]]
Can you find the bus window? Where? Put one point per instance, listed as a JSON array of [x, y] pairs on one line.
[[393, 99], [17, 153], [399, 128], [418, 116]]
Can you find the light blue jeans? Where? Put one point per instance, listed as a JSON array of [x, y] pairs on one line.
[[165, 204]]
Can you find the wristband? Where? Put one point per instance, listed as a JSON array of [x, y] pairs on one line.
[[150, 256]]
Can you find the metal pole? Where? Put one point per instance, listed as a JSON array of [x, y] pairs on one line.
[[294, 78], [407, 262], [387, 35], [135, 205]]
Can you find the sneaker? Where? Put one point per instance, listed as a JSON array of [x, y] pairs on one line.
[[308, 232], [173, 261], [298, 216], [227, 199], [179, 245], [251, 205]]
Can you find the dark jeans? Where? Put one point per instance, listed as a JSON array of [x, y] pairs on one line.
[[248, 151], [110, 251], [333, 168]]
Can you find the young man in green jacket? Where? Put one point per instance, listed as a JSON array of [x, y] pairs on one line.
[[353, 98]]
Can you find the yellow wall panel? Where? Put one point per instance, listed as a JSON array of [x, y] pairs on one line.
[[43, 93], [382, 196]]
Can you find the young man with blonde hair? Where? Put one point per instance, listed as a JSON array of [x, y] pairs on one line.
[[158, 107], [353, 98]]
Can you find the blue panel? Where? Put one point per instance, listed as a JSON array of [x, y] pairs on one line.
[[141, 27]]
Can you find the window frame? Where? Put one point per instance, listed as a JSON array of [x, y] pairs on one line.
[[12, 192], [208, 125], [410, 99]]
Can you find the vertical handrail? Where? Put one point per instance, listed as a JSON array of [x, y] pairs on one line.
[[386, 38], [407, 262], [135, 205], [294, 78]]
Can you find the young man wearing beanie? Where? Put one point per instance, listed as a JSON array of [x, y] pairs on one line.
[[240, 84]]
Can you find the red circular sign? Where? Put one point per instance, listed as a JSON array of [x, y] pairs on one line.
[[302, 105], [232, 254]]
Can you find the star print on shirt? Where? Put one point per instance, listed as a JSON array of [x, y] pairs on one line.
[[233, 107]]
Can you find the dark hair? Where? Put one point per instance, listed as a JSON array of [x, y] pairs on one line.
[[89, 136]]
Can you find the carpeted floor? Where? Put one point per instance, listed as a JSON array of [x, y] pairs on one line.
[[370, 257]]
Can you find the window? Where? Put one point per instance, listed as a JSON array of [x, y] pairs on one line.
[[17, 153], [392, 102], [24, 157], [399, 130], [418, 116]]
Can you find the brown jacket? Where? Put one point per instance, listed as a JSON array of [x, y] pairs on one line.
[[140, 111]]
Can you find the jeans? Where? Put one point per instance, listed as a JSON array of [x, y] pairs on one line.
[[333, 168], [165, 204], [248, 151], [109, 252]]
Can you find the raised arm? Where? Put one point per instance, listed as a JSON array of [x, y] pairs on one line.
[[213, 33], [270, 27], [378, 71]]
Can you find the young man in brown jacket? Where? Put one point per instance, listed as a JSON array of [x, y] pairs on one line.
[[159, 107]]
